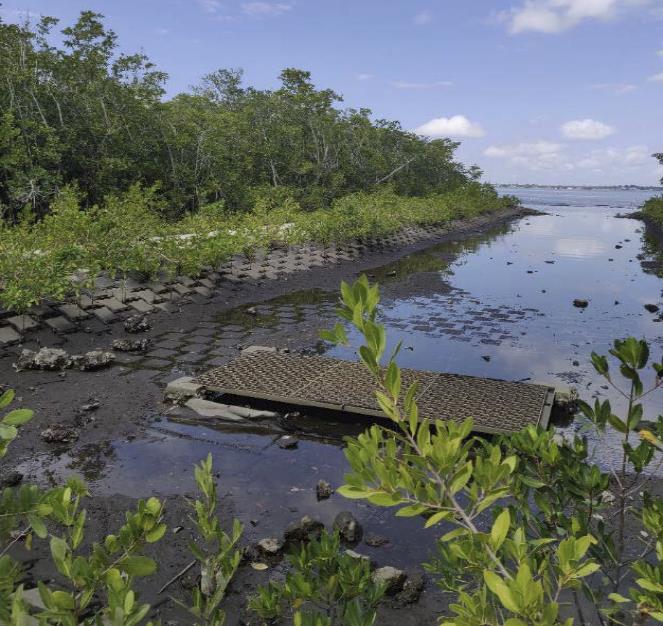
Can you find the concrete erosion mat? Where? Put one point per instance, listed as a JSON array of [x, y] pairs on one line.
[[496, 406]]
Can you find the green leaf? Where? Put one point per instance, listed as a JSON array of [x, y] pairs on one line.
[[138, 566], [615, 597], [6, 398], [500, 529], [499, 588], [17, 417], [436, 518]]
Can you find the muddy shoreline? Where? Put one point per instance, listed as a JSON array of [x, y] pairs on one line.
[[131, 412]]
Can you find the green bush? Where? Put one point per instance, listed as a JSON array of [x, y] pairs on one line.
[[63, 253], [652, 210]]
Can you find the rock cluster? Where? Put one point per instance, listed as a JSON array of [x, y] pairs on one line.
[[55, 359]]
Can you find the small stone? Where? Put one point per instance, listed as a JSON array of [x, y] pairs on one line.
[[348, 527], [303, 530], [137, 324], [323, 490], [376, 541], [93, 360], [287, 442], [390, 577], [652, 308], [358, 556], [412, 589], [580, 304], [576, 363], [270, 545], [486, 358], [46, 359], [92, 405], [618, 247], [131, 345], [57, 433]]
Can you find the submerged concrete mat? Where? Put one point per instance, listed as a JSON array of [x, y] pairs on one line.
[[496, 406]]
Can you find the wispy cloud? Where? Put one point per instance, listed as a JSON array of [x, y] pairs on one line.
[[556, 16], [404, 84], [210, 6], [536, 155], [455, 126], [586, 129], [659, 53], [423, 17], [265, 9], [616, 88], [656, 78], [363, 76]]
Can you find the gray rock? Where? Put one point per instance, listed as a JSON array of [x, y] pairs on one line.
[[323, 490], [348, 527], [137, 324], [93, 360], [652, 308], [57, 433], [376, 541], [182, 389], [131, 345], [46, 359], [305, 529], [205, 408], [580, 304], [270, 545], [393, 579], [287, 442], [256, 349], [412, 589]]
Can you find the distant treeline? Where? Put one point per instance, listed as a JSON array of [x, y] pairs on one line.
[[81, 113]]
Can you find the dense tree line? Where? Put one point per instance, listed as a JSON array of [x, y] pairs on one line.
[[80, 112]]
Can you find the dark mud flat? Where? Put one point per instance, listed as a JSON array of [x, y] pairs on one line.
[[493, 302], [128, 447]]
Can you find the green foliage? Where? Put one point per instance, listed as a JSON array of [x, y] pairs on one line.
[[324, 587], [61, 255], [524, 515], [96, 586], [652, 210], [79, 112]]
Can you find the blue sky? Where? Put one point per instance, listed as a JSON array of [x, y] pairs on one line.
[[550, 91]]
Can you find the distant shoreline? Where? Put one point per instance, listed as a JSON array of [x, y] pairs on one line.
[[585, 187]]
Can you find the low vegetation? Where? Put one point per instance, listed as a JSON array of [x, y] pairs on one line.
[[61, 254], [652, 211], [532, 533]]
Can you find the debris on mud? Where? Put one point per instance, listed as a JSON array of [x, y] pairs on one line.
[[580, 304], [92, 405], [270, 546], [57, 433], [652, 308], [348, 527], [137, 324], [131, 345], [323, 490]]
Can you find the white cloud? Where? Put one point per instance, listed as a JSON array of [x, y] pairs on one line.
[[555, 16], [537, 155], [210, 6], [403, 84], [265, 9], [363, 76], [455, 126], [656, 78], [424, 17], [606, 158], [586, 129], [616, 88], [659, 53]]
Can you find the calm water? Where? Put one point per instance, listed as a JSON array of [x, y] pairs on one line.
[[497, 305], [509, 313]]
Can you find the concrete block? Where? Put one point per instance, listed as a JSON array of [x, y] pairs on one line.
[[104, 314], [8, 335], [60, 324], [141, 306], [113, 304], [182, 388], [23, 322], [73, 312]]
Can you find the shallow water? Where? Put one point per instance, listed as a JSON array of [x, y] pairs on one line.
[[496, 305]]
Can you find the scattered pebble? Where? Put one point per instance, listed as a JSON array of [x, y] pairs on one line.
[[323, 490], [57, 433], [287, 442], [137, 324]]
